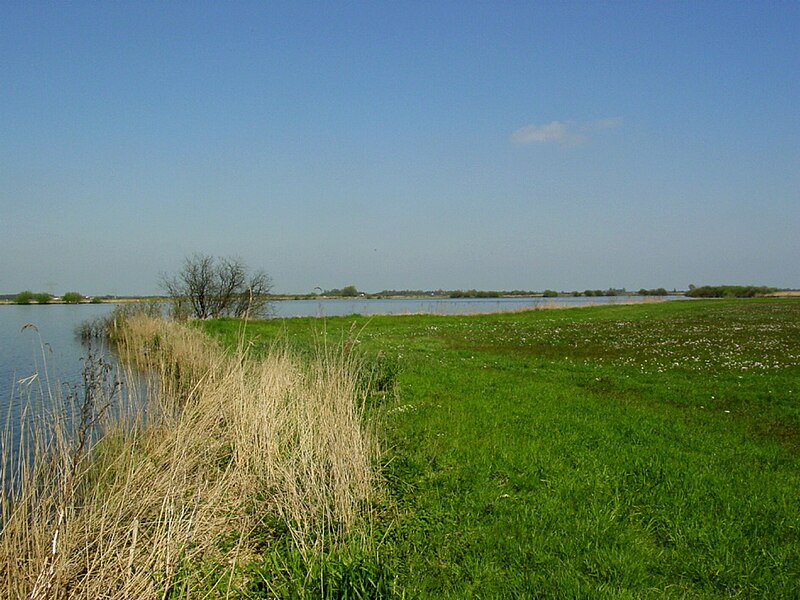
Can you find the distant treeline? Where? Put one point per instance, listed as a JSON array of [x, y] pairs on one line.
[[411, 293], [347, 291], [473, 293], [454, 293], [29, 297], [729, 291], [504, 294]]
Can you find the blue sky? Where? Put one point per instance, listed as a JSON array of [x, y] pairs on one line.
[[513, 145]]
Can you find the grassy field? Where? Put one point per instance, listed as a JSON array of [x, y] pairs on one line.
[[618, 451]]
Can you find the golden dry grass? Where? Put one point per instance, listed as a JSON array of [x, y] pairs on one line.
[[178, 494], [786, 294]]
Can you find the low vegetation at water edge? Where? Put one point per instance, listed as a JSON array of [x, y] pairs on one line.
[[231, 477], [626, 451], [641, 451]]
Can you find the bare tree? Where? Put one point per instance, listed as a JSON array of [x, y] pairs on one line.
[[210, 287]]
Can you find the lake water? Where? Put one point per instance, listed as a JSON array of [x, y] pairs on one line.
[[41, 359], [437, 306], [49, 354], [52, 349], [39, 344]]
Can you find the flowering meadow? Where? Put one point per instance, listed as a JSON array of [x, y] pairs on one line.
[[640, 451]]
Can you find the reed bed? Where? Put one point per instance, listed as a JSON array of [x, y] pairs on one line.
[[174, 495]]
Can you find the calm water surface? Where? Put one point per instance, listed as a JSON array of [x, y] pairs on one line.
[[38, 343], [51, 350], [49, 353], [437, 306], [41, 358]]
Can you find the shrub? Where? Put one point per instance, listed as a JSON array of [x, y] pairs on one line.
[[348, 291], [72, 297], [654, 292], [211, 287], [24, 297], [729, 291]]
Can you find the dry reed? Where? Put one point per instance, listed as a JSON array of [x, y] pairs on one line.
[[181, 491]]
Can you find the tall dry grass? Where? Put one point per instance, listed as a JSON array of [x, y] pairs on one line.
[[180, 491]]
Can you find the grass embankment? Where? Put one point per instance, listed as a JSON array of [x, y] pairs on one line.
[[231, 481], [619, 451]]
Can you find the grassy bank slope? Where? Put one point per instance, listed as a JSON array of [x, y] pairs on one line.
[[618, 451], [230, 479]]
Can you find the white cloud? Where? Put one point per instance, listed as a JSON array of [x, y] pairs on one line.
[[552, 132], [565, 133]]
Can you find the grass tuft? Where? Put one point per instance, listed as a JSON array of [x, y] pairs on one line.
[[180, 493]]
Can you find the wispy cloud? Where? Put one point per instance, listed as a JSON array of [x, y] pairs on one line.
[[565, 133]]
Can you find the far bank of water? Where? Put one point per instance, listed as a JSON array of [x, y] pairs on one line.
[[326, 307]]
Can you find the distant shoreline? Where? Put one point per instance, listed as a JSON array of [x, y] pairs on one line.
[[362, 296], [785, 294]]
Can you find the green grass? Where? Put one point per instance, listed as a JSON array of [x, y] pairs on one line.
[[642, 451]]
